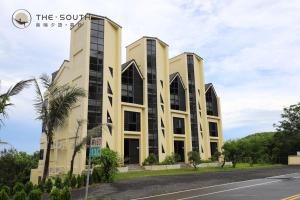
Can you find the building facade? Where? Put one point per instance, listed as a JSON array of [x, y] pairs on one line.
[[149, 104]]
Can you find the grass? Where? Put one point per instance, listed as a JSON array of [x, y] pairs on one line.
[[130, 175]]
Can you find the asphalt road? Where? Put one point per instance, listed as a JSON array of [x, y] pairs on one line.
[[268, 183]]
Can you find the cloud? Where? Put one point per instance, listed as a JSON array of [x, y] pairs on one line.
[[250, 49]]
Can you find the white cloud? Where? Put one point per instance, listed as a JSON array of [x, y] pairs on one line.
[[251, 48]]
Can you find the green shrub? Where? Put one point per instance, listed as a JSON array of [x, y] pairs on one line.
[[48, 185], [194, 158], [18, 187], [66, 194], [67, 181], [55, 194], [169, 160], [83, 179], [28, 187], [6, 188], [41, 187], [150, 160], [58, 183], [97, 174], [35, 194], [73, 181], [4, 194], [20, 195], [80, 181], [108, 162]]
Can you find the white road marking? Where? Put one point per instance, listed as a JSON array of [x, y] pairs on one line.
[[221, 191], [212, 186]]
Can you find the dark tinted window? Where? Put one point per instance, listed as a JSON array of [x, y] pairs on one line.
[[177, 95], [152, 97], [132, 121], [193, 105], [132, 86], [211, 102], [213, 129], [178, 125]]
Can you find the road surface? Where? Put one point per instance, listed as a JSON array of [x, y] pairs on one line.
[[265, 183]]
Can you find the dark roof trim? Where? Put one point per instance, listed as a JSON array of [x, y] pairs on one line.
[[173, 76], [188, 53], [128, 64], [148, 37]]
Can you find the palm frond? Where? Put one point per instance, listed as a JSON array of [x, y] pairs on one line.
[[46, 81], [16, 89], [61, 104], [39, 100]]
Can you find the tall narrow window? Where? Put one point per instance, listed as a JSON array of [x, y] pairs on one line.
[[213, 129], [132, 85], [193, 104], [152, 97], [110, 100], [111, 71], [211, 102], [177, 95]]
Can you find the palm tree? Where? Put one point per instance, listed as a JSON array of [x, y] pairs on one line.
[[53, 109], [5, 98], [78, 145]]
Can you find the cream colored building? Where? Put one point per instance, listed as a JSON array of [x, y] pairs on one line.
[[149, 104]]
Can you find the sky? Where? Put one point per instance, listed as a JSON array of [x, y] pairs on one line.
[[250, 49]]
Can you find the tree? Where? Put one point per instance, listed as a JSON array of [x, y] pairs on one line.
[[53, 109], [5, 98], [108, 162], [287, 138], [194, 158], [231, 151], [78, 145], [16, 166]]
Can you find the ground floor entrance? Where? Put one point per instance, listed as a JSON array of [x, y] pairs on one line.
[[179, 150], [131, 151]]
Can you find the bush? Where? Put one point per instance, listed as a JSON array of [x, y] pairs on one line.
[[48, 185], [194, 158], [18, 188], [55, 194], [4, 194], [35, 194], [66, 194], [97, 174], [150, 160], [41, 187], [67, 181], [73, 181], [80, 181], [169, 160], [28, 187], [58, 183], [108, 162], [6, 188], [21, 195]]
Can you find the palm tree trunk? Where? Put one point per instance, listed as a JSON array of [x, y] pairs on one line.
[[47, 159], [72, 163]]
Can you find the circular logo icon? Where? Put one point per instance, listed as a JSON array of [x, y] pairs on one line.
[[21, 18]]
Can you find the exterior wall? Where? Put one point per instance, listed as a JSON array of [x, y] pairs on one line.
[[138, 52], [179, 64], [76, 72], [294, 160]]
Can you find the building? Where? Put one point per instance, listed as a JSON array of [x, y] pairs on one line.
[[149, 104]]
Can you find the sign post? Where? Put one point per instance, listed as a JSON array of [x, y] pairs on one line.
[[95, 151]]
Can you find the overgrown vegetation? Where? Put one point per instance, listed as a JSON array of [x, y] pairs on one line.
[[269, 147], [194, 158], [16, 166]]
